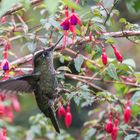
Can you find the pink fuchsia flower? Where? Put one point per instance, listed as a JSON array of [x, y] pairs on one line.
[[115, 130], [68, 117], [61, 110], [7, 46], [127, 112], [5, 65], [2, 109], [109, 125], [3, 20], [65, 24], [104, 56], [15, 104], [3, 134], [2, 96], [9, 113], [117, 54], [74, 18]]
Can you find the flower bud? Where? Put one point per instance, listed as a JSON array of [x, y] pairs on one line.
[[117, 54], [68, 117], [61, 111], [104, 56], [115, 130], [16, 104], [127, 112], [2, 109], [109, 125], [5, 65]]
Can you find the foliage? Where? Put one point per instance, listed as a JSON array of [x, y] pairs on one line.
[[95, 86]]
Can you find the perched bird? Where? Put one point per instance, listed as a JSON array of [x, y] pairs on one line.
[[42, 82]]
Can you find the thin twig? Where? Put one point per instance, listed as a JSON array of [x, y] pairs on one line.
[[20, 6]]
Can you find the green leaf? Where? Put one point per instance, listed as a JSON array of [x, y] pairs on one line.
[[108, 3], [26, 3], [111, 70], [78, 61], [130, 137], [98, 52], [137, 5], [5, 5], [89, 134], [135, 97], [123, 20], [64, 68], [31, 46], [129, 62], [71, 4], [77, 100], [135, 109], [51, 5], [88, 49]]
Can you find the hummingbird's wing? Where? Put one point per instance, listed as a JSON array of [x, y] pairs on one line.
[[23, 84]]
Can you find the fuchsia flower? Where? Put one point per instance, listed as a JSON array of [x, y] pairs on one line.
[[3, 20], [69, 24], [16, 104], [3, 134], [9, 114], [68, 117], [115, 130], [117, 54], [109, 125], [104, 56], [2, 96], [74, 18], [127, 112], [2, 109], [7, 46], [61, 110], [5, 63]]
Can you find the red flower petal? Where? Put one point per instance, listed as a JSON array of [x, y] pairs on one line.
[[117, 54], [109, 125], [104, 56], [16, 104], [68, 117], [115, 130], [127, 112], [61, 111]]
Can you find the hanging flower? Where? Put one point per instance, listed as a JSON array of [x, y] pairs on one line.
[[127, 112], [5, 65], [68, 117], [3, 134], [61, 110], [15, 104], [104, 56], [117, 54], [3, 20], [115, 130], [7, 46], [2, 96], [9, 113], [74, 18], [109, 125], [2, 109]]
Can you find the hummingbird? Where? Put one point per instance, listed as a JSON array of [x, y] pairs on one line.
[[42, 81]]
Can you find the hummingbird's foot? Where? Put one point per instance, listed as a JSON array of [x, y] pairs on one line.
[[61, 91]]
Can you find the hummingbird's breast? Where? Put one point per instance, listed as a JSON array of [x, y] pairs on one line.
[[47, 82]]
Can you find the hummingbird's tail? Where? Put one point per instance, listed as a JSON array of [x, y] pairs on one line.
[[53, 119]]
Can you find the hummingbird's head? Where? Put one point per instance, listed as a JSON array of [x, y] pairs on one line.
[[42, 57]]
